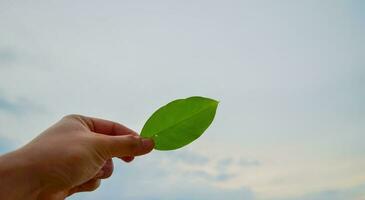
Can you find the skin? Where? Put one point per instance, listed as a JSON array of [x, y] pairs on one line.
[[71, 156]]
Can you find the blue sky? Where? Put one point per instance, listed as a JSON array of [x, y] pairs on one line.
[[289, 76]]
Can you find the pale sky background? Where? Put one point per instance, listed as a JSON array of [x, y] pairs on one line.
[[290, 77]]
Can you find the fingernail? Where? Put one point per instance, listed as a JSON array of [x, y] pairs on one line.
[[147, 143]]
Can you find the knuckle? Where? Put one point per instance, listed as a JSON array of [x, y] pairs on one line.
[[72, 116], [132, 141], [93, 185], [100, 144], [130, 132], [107, 174], [81, 119]]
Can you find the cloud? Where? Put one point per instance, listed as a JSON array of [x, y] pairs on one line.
[[7, 55], [224, 177], [19, 106], [216, 177], [150, 179], [352, 193], [244, 162], [331, 194], [197, 166], [211, 193], [156, 176], [223, 164], [8, 106], [186, 157]]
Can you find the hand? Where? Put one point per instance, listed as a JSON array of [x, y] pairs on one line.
[[71, 156]]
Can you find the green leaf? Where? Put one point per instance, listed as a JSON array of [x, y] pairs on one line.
[[180, 122]]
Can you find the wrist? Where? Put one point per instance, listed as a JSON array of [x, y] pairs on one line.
[[18, 179]]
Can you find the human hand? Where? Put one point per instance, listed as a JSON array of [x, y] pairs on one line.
[[71, 156]]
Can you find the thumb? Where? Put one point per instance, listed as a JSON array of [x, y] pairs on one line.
[[123, 145]]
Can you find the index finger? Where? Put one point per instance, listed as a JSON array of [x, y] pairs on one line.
[[107, 127]]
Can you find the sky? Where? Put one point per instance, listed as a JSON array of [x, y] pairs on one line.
[[289, 76]]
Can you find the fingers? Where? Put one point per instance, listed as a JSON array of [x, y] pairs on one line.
[[106, 171], [89, 186], [122, 146], [127, 158], [106, 127], [115, 140]]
